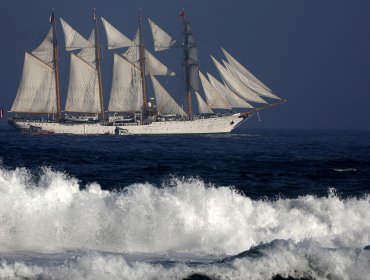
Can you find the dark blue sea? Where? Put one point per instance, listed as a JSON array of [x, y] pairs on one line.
[[254, 204]]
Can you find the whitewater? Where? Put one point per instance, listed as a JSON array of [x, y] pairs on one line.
[[52, 227]]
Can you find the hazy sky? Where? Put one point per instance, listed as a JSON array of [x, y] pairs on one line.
[[315, 53]]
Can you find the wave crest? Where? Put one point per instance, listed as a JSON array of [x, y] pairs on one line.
[[52, 212]]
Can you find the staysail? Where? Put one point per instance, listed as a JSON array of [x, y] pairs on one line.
[[203, 107], [37, 89], [162, 41], [234, 63], [234, 100], [126, 90], [249, 83], [214, 99], [237, 86], [165, 103]]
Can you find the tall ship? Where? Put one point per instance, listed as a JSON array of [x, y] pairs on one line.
[[209, 105]]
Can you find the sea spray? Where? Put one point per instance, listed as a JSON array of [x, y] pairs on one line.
[[53, 213]]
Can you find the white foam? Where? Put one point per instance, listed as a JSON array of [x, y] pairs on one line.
[[345, 169], [284, 258], [53, 214]]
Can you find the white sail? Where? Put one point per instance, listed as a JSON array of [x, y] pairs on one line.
[[115, 38], [37, 91], [83, 91], [234, 100], [88, 54], [214, 99], [237, 86], [73, 39], [165, 103], [233, 62], [203, 108], [132, 54], [152, 65], [162, 41], [45, 51], [249, 83], [155, 67], [126, 91]]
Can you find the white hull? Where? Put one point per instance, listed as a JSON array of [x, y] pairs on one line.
[[223, 124]]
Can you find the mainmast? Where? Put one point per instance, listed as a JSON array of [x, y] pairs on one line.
[[56, 67], [98, 68], [142, 66], [190, 62]]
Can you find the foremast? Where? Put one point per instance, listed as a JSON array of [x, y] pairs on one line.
[[56, 64], [98, 67], [38, 92]]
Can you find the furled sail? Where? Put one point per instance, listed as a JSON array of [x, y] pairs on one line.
[[45, 51], [115, 38], [73, 39], [236, 85], [126, 91], [234, 100], [165, 103], [83, 90], [162, 41], [214, 99], [249, 83], [37, 92], [203, 108], [234, 63], [192, 63]]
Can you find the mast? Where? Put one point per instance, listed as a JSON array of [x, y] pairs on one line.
[[56, 66], [187, 64], [97, 62], [190, 62], [142, 66]]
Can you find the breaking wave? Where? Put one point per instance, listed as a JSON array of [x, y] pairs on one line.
[[276, 260], [50, 212]]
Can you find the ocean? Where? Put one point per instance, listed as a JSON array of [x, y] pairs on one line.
[[254, 204]]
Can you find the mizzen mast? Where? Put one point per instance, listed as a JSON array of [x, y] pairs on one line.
[[98, 67], [56, 65]]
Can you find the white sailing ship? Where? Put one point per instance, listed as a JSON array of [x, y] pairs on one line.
[[227, 104]]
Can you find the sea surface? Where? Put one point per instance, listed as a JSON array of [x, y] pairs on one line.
[[254, 204]]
